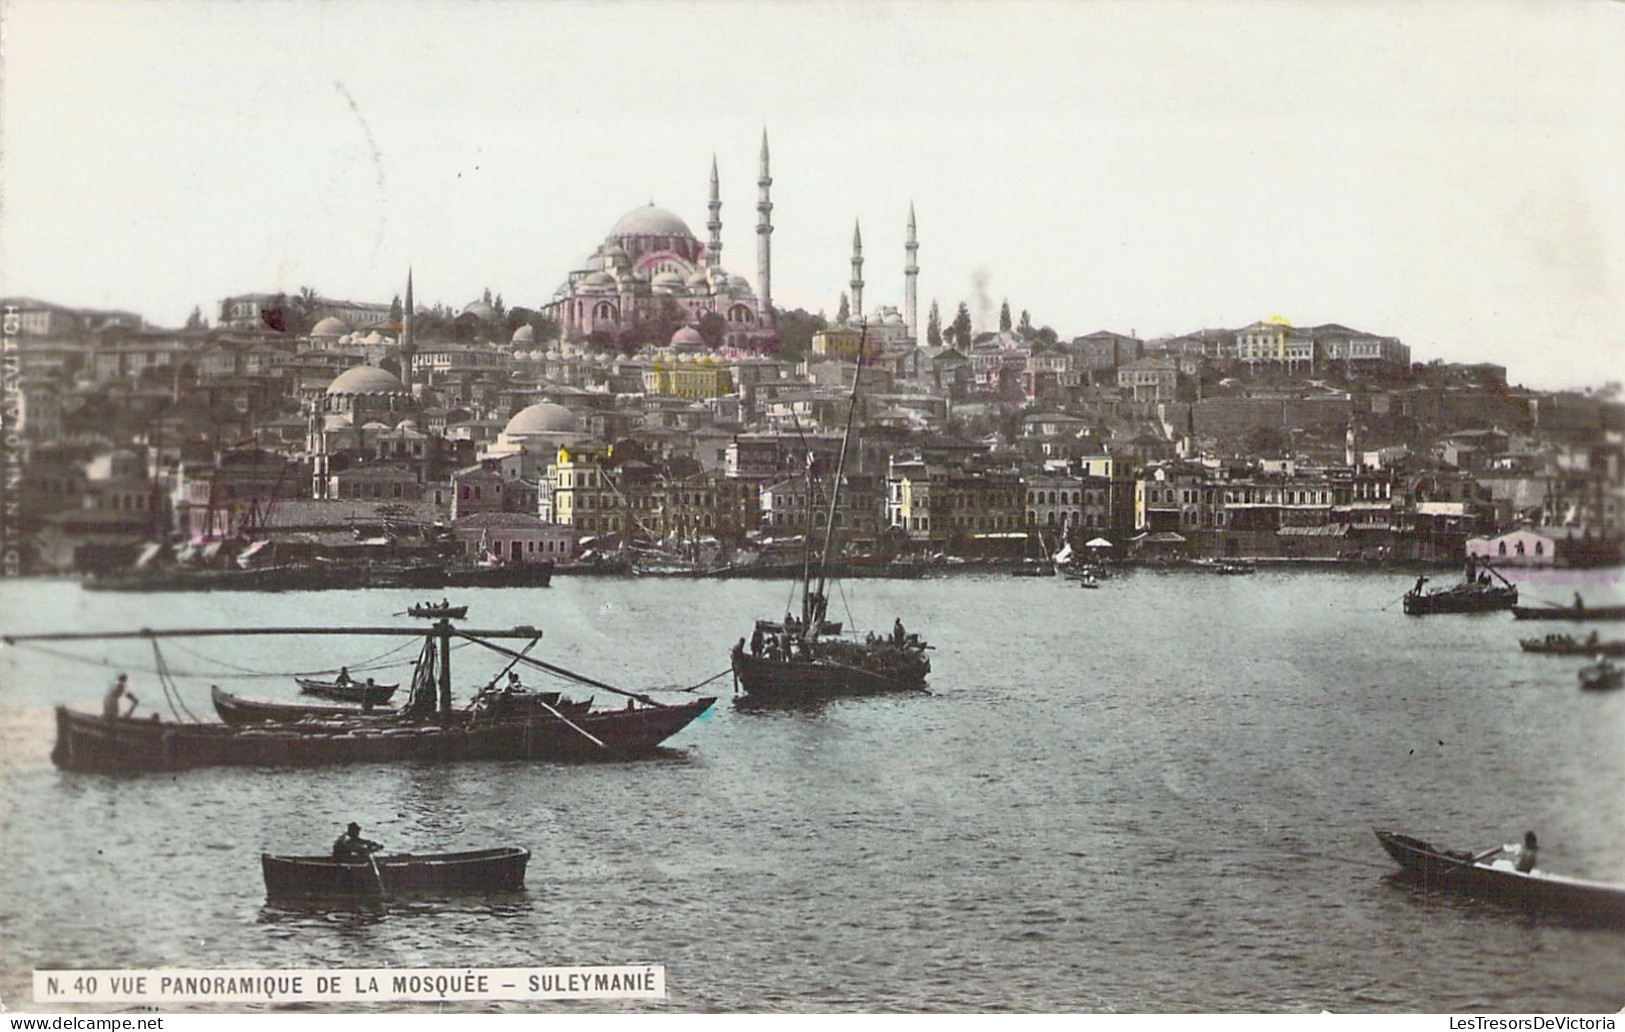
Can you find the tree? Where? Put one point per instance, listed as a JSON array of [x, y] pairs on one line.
[[1025, 327], [960, 331], [396, 312], [195, 321], [711, 328], [796, 329], [933, 326], [843, 313], [1004, 316]]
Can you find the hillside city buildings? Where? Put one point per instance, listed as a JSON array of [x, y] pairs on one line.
[[656, 400]]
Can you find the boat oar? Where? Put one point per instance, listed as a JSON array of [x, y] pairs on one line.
[[1470, 861], [377, 875], [578, 729]]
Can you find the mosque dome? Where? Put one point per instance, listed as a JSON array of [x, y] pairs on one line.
[[650, 221], [526, 334], [543, 418], [365, 379], [667, 281], [616, 253], [480, 310], [700, 281], [332, 326], [599, 281], [688, 337]]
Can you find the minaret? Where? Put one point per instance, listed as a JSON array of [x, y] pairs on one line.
[[857, 273], [713, 249], [408, 346], [764, 234], [911, 274]]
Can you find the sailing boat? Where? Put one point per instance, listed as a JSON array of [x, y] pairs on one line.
[[498, 725], [806, 658]]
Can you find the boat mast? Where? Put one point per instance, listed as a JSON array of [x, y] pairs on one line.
[[840, 469]]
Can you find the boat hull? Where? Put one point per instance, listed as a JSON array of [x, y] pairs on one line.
[[1454, 872], [90, 742], [1461, 600], [764, 677], [1568, 613], [306, 877]]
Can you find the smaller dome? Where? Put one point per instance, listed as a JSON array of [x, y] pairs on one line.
[[526, 334], [616, 253], [700, 280], [332, 326], [480, 310], [543, 418], [599, 279], [365, 379], [688, 337]]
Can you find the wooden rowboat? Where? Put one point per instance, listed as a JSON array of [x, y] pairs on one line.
[[348, 691], [436, 612], [240, 712], [395, 874], [1457, 871], [1568, 613], [1564, 645], [1601, 676]]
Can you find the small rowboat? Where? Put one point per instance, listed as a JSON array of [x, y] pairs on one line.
[[395, 874], [1461, 598], [1568, 613], [437, 612], [1601, 676], [1564, 645], [1501, 883], [348, 691], [238, 711]]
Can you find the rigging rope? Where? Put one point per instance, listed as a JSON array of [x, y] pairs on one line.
[[71, 657], [172, 692]]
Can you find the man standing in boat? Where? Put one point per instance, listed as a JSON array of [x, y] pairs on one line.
[[351, 846], [119, 691]]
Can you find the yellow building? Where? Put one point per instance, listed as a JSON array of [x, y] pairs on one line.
[[687, 378], [582, 494]]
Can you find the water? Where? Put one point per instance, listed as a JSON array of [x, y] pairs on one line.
[[1157, 796]]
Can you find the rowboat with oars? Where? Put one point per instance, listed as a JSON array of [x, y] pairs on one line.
[[1500, 882], [1556, 612], [508, 724], [363, 693], [394, 874]]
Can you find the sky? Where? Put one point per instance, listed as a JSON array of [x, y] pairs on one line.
[[1450, 174]]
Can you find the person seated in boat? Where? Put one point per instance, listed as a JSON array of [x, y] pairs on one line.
[[120, 691], [344, 676], [513, 684], [1484, 578], [1521, 855], [351, 846], [1592, 639]]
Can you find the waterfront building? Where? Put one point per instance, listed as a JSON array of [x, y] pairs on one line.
[[513, 537], [940, 505]]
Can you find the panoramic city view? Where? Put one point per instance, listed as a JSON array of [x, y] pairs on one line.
[[968, 508]]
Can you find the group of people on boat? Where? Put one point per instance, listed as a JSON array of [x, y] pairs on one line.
[[1568, 639]]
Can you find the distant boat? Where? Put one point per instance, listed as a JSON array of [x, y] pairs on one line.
[[1459, 871], [1600, 676], [394, 874], [1566, 645], [363, 693], [1555, 612], [440, 611], [1233, 567]]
